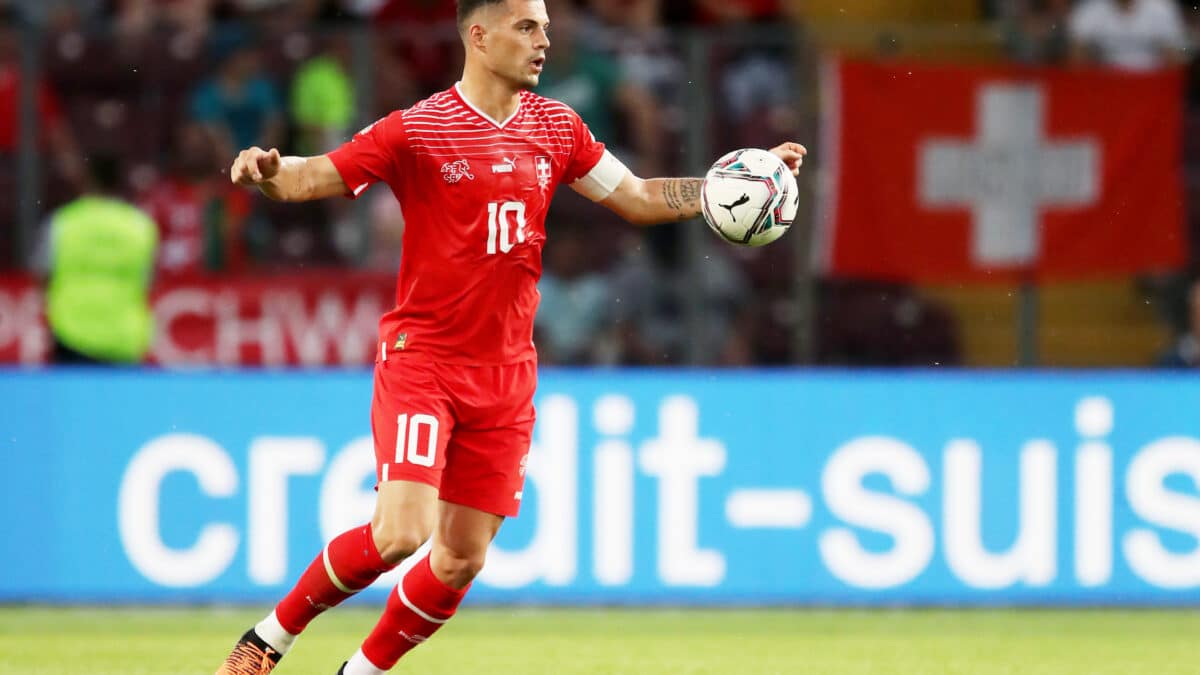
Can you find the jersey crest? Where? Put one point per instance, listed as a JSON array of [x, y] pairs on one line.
[[457, 170], [544, 170]]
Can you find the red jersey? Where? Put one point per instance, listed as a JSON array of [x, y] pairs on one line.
[[188, 212], [474, 193]]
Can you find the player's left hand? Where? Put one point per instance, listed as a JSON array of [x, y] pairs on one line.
[[792, 154]]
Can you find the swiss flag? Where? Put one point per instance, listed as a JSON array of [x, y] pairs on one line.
[[946, 173]]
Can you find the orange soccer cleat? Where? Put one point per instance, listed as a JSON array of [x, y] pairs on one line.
[[251, 656]]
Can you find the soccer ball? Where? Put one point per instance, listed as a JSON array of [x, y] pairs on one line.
[[750, 197]]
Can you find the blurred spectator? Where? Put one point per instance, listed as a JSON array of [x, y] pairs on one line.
[[101, 258], [1185, 353], [54, 135], [574, 318], [595, 86], [1128, 34], [864, 323], [134, 19], [1037, 31], [756, 87], [201, 217], [632, 33], [756, 77], [385, 220], [239, 106], [46, 11], [651, 290], [322, 102], [730, 11], [359, 8], [424, 12], [252, 6], [190, 16], [395, 86], [423, 35]]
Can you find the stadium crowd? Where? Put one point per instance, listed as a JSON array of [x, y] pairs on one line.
[[168, 90]]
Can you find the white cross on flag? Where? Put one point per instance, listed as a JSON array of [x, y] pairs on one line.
[[958, 173]]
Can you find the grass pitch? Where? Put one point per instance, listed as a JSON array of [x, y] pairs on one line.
[[44, 641]]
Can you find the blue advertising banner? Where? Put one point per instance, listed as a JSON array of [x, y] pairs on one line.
[[692, 487]]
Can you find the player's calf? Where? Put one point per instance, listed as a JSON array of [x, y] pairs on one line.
[[420, 604], [348, 564]]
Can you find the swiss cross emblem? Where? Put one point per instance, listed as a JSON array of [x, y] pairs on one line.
[[1009, 174], [544, 171]]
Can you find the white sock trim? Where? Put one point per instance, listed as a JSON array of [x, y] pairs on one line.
[[416, 610], [333, 577], [359, 664], [273, 633]]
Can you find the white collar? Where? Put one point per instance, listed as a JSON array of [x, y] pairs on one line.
[[458, 90]]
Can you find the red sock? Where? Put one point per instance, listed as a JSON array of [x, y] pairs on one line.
[[418, 607], [348, 564]]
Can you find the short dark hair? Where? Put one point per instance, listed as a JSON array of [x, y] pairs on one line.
[[467, 7], [105, 170]]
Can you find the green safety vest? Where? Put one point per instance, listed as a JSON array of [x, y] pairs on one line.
[[101, 261]]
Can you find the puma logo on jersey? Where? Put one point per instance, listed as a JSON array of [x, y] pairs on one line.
[[457, 170], [731, 207], [506, 166]]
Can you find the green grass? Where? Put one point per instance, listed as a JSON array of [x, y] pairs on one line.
[[42, 641]]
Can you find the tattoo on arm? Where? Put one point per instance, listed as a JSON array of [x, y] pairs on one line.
[[682, 195]]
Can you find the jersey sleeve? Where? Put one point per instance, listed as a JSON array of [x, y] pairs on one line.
[[586, 153], [372, 155]]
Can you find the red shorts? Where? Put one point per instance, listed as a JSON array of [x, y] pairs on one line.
[[465, 430]]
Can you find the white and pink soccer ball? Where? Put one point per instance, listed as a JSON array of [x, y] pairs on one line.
[[750, 197]]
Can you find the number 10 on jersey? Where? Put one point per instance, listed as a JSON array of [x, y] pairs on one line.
[[502, 217]]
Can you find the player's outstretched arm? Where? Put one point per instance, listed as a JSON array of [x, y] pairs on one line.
[[650, 201], [287, 179]]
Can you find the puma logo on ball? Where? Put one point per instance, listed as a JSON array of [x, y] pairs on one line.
[[730, 207]]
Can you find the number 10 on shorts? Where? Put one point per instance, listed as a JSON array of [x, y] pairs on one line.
[[408, 439]]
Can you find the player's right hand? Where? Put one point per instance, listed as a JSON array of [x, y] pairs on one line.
[[254, 166]]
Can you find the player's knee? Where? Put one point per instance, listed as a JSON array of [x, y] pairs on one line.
[[398, 541], [457, 569]]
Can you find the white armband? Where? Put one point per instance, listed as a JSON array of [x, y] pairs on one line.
[[603, 179]]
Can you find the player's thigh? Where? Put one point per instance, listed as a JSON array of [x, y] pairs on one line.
[[411, 422], [489, 449], [485, 469]]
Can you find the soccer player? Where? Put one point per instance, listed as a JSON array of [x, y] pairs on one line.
[[452, 414]]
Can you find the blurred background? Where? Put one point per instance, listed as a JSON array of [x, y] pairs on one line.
[[151, 99], [960, 379]]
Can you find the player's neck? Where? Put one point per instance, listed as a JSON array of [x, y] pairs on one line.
[[490, 95]]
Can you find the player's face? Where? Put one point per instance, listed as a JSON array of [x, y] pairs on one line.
[[517, 42]]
